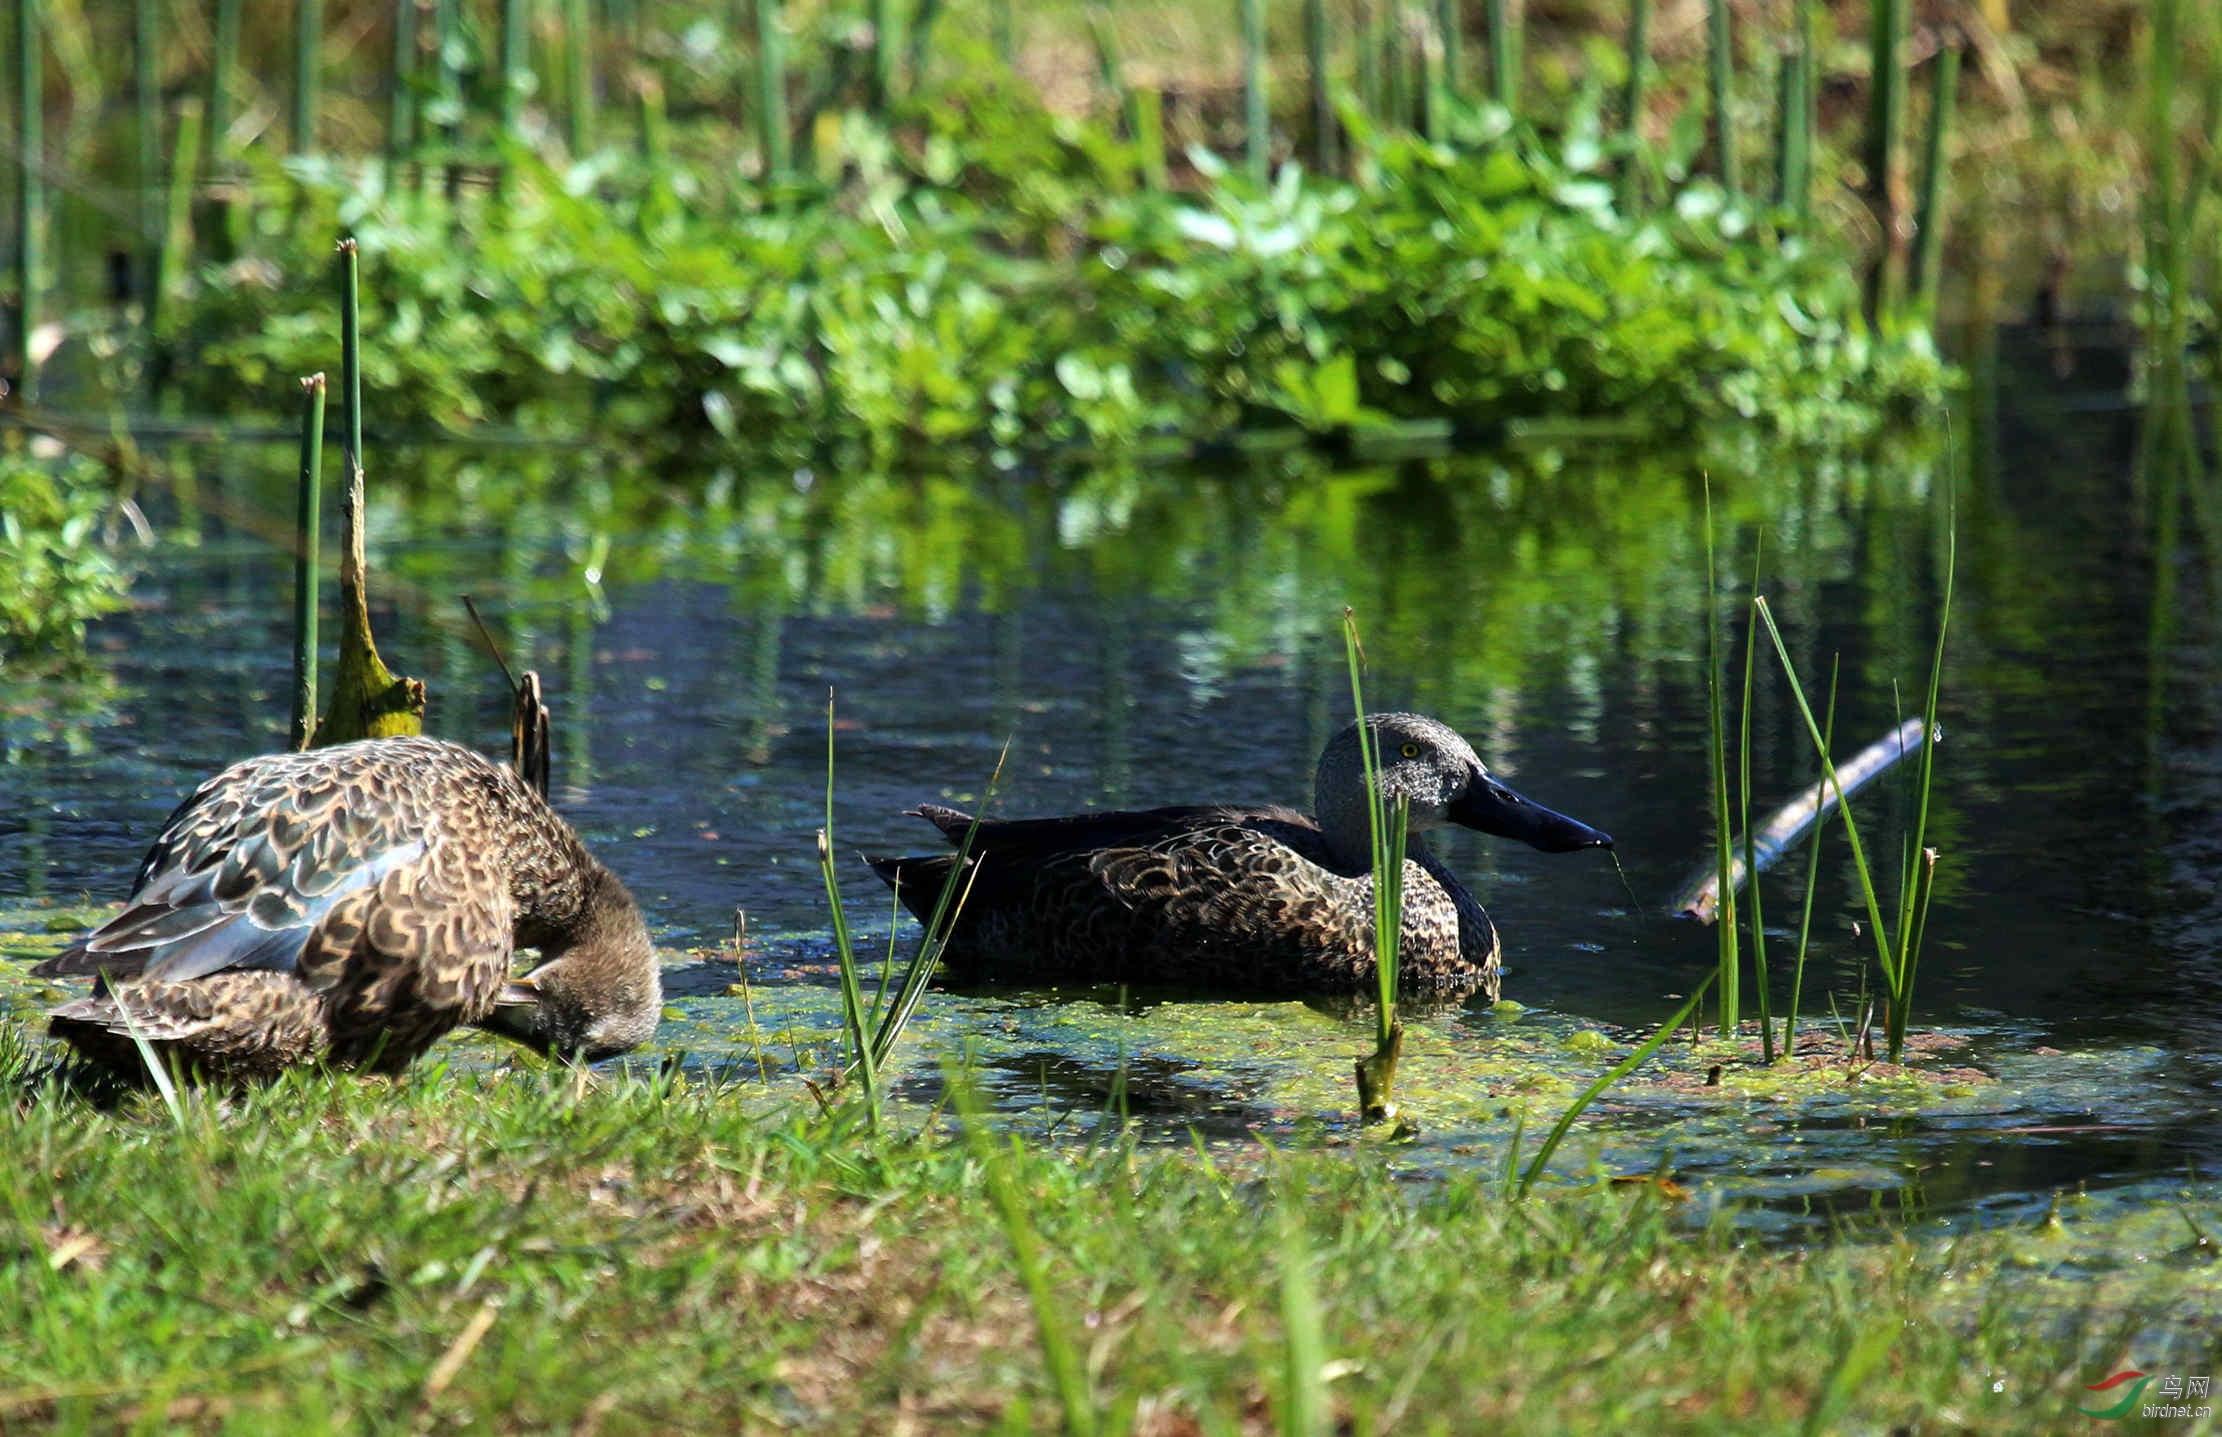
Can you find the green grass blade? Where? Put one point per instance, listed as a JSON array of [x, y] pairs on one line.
[[1611, 1076], [1716, 737], [1883, 954], [852, 989], [1812, 881], [1751, 838], [1304, 1400]]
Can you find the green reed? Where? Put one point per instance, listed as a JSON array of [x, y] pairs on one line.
[[1928, 253], [30, 183], [1632, 103], [875, 1027], [1720, 82], [578, 52], [146, 132], [305, 552], [1751, 833], [1812, 884], [1389, 825], [308, 72], [1716, 753], [771, 92], [1257, 121], [1450, 32], [1793, 145], [401, 85], [1504, 55], [1886, 119]]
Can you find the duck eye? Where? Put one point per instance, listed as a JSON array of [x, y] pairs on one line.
[[1411, 750]]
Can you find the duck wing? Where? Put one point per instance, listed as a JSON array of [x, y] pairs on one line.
[[249, 866]]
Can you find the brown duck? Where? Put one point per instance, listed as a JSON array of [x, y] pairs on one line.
[[350, 905], [1238, 899]]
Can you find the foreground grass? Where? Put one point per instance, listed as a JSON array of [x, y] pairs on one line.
[[527, 1250]]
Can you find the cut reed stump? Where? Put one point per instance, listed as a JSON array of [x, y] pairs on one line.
[[368, 699]]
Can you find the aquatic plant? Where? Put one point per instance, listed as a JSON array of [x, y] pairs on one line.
[[56, 574], [1388, 823]]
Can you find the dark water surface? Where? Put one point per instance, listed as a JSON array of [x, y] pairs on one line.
[[1155, 638]]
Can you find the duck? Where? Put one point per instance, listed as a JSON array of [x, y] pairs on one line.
[[348, 906], [1236, 899]]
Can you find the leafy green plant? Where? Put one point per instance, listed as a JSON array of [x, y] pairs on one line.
[[56, 574]]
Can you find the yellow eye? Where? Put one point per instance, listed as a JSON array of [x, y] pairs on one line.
[[1411, 750]]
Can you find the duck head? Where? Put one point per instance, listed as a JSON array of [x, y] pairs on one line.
[[599, 994], [1430, 765]]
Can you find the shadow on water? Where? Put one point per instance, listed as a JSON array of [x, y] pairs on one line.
[[1149, 638]]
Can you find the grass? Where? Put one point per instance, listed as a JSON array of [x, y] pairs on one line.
[[643, 1252]]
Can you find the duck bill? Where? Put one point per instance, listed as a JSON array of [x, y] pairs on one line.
[[1493, 808]]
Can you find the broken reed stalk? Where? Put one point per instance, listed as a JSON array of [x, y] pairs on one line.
[[1928, 254], [30, 185], [368, 699], [308, 36], [1325, 137], [771, 92], [1504, 56], [305, 556], [1716, 731], [1257, 122], [1632, 104], [1720, 79], [1389, 825]]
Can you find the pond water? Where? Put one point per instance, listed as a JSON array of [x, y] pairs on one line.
[[1145, 638]]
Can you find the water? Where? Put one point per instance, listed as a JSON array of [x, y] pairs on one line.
[[1154, 638]]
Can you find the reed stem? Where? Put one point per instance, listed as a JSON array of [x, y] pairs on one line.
[[887, 51], [1632, 105], [401, 88], [515, 79], [30, 185], [1724, 849], [225, 217], [1504, 56], [1257, 121], [1720, 74], [351, 349], [1145, 116], [1450, 32], [1886, 118], [771, 91], [308, 72], [1751, 838], [578, 50], [1812, 882], [146, 104], [1928, 254], [1790, 179], [306, 544], [1326, 136]]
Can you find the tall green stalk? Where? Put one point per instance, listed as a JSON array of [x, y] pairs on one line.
[[852, 988], [1716, 729], [401, 85], [887, 51], [351, 348], [306, 536], [1257, 121], [1928, 253], [1809, 16], [1450, 29], [1812, 884], [771, 91], [515, 76], [1751, 839], [1504, 56], [1325, 134], [226, 217], [1720, 77], [1791, 180], [1632, 104], [308, 73], [1886, 119], [578, 51], [177, 221], [1304, 1407], [1913, 908], [146, 105], [1389, 826], [30, 184]]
